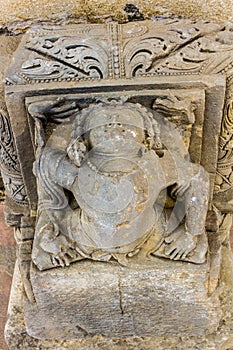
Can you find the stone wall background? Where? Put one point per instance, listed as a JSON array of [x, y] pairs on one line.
[[18, 15]]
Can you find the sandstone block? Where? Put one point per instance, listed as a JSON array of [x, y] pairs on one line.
[[159, 298]]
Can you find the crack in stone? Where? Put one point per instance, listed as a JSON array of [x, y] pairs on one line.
[[81, 329], [120, 294]]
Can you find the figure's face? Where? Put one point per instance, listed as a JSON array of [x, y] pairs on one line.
[[115, 125], [115, 132]]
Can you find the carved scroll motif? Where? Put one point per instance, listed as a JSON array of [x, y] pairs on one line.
[[66, 57], [10, 167], [168, 47], [177, 47]]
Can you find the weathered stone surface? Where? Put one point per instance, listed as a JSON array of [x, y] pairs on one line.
[[19, 15], [7, 262], [8, 44], [89, 299], [18, 338]]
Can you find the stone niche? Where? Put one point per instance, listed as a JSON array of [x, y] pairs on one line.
[[117, 163]]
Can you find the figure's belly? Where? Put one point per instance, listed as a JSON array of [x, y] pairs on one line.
[[105, 195], [116, 211], [113, 233]]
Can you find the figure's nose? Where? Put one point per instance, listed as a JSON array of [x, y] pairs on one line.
[[115, 125]]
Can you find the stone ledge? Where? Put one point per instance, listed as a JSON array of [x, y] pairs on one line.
[[159, 298], [18, 338]]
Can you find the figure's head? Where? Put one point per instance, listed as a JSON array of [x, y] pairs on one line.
[[118, 123], [115, 123]]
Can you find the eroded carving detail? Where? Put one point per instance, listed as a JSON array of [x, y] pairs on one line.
[[116, 172], [10, 167], [168, 47], [224, 177], [178, 47], [24, 236], [180, 111]]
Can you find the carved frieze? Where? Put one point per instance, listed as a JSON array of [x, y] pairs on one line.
[[112, 51]]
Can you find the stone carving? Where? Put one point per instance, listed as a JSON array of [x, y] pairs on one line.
[[180, 111], [224, 177], [24, 236], [10, 167], [148, 48], [16, 203], [119, 123], [115, 168], [177, 48]]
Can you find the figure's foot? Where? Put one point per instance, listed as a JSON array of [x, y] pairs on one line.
[[179, 245]]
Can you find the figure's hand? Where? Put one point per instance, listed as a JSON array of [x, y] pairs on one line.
[[180, 244], [56, 109], [76, 152]]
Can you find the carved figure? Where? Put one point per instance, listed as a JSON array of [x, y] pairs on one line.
[[114, 190]]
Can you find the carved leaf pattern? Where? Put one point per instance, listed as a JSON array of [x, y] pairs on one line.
[[224, 177], [37, 68], [168, 47], [70, 58], [9, 164], [176, 47]]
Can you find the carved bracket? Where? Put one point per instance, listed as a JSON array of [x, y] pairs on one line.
[[182, 70]]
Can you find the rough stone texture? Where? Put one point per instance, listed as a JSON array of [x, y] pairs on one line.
[[7, 261], [8, 44], [19, 15], [106, 301], [20, 340], [231, 238]]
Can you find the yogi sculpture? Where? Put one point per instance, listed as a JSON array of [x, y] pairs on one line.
[[103, 193]]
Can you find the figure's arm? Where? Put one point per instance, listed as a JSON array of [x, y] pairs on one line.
[[192, 190], [53, 241], [63, 170], [53, 166], [192, 194]]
